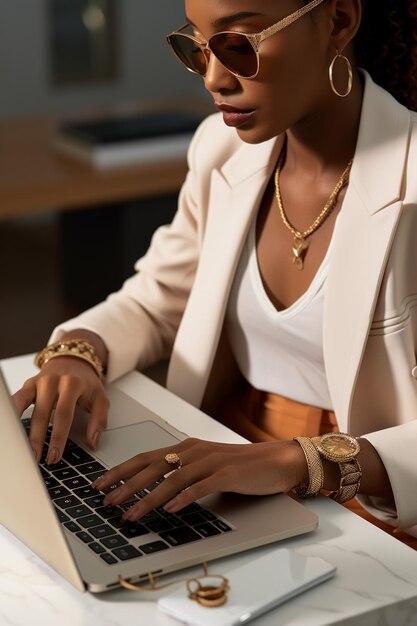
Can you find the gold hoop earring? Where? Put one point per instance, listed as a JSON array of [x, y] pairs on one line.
[[350, 75]]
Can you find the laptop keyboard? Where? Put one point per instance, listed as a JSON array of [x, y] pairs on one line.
[[80, 510]]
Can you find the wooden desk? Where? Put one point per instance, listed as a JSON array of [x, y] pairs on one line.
[[33, 178]]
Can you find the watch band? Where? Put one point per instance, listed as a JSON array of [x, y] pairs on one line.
[[315, 469], [350, 480]]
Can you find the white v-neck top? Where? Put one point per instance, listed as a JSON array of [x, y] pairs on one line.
[[278, 351]]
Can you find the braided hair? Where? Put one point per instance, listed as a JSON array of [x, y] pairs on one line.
[[386, 46]]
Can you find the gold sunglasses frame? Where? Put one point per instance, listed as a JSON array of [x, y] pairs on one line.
[[255, 39]]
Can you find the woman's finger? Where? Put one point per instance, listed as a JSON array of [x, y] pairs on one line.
[[45, 400], [140, 462], [25, 396], [70, 389], [181, 489], [138, 482], [196, 491], [177, 481], [97, 421]]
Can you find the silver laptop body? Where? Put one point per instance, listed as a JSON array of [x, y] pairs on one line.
[[28, 511]]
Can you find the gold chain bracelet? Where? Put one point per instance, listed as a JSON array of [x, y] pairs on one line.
[[78, 348]]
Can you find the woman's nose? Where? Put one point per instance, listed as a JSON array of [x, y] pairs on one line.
[[217, 76]]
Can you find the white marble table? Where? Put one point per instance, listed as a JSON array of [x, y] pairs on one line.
[[375, 584]]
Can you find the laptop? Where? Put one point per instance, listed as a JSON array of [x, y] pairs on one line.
[[55, 512]]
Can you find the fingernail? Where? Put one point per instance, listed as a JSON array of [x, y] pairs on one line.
[[97, 482], [96, 439], [108, 500], [53, 456], [130, 515], [170, 506]]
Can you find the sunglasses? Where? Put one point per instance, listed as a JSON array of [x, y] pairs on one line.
[[238, 52]]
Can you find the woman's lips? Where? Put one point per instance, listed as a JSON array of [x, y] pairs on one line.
[[234, 117]]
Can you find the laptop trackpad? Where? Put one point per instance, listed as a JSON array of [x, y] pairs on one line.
[[119, 444]]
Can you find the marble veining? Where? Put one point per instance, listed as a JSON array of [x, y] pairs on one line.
[[375, 583]]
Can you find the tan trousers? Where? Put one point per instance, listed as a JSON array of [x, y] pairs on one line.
[[261, 416]]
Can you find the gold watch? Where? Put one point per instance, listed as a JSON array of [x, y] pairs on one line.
[[343, 449]]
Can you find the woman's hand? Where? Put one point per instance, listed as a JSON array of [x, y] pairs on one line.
[[257, 469], [61, 385]]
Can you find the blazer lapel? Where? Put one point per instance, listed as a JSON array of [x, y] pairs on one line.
[[362, 242], [235, 193], [360, 249]]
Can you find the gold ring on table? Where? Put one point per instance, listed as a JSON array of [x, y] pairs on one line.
[[172, 458], [210, 594]]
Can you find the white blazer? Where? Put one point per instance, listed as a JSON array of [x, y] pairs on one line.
[[175, 304]]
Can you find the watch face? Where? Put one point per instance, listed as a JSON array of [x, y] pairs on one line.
[[339, 446]]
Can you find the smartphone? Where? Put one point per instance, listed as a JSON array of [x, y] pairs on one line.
[[255, 588]]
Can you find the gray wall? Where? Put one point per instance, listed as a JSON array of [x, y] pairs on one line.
[[148, 68]]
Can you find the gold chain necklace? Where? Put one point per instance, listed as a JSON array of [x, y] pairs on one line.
[[300, 245]]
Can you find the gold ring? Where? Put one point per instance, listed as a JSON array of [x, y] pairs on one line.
[[173, 459], [211, 594]]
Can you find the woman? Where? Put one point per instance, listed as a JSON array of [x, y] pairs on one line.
[[291, 261]]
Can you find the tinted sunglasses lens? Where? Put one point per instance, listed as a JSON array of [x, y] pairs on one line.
[[189, 53], [236, 53]]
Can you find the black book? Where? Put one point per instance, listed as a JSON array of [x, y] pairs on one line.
[[128, 139]]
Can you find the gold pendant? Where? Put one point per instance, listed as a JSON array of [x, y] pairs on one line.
[[299, 249]]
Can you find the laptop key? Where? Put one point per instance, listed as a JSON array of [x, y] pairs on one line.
[[134, 530], [179, 536], [90, 520], [88, 468], [77, 456], [96, 547], [106, 556], [221, 525], [174, 520], [115, 541], [73, 483], [85, 492], [208, 515], [61, 516], [152, 516], [58, 492], [155, 546], [117, 522], [109, 511], [60, 466], [190, 508], [102, 531], [85, 537], [72, 526], [207, 530], [159, 525], [94, 475], [126, 553], [50, 482], [78, 511], [95, 501], [68, 501], [66, 472], [192, 519]]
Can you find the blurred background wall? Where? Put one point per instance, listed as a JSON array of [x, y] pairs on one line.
[[65, 58], [145, 68]]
